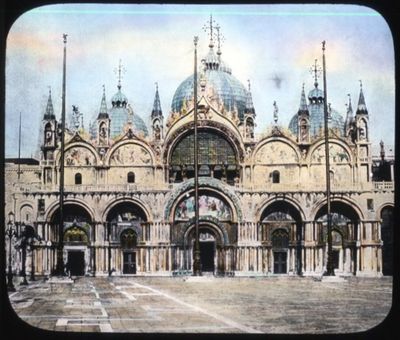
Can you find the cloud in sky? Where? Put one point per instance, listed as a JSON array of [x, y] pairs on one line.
[[155, 44]]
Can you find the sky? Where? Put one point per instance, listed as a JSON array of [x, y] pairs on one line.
[[272, 45]]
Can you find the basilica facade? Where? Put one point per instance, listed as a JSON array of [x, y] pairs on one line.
[[129, 188]]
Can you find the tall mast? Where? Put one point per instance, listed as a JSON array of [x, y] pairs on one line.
[[329, 264], [19, 147], [60, 248], [196, 261]]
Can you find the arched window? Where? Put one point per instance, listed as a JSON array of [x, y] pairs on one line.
[[131, 177], [78, 178], [280, 239], [128, 239], [275, 176], [75, 234]]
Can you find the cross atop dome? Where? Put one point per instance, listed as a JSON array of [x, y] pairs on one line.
[[316, 70], [208, 27], [120, 70]]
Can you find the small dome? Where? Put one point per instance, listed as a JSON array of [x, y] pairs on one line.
[[316, 111], [119, 99], [316, 93]]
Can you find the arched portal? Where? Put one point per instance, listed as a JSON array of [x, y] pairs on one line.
[[77, 233], [387, 239], [126, 228], [344, 224], [128, 245], [281, 234], [216, 254]]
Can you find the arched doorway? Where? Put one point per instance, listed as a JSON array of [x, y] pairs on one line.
[[126, 228], [344, 224], [281, 235], [280, 245], [128, 245], [387, 239], [79, 259], [75, 240], [210, 243]]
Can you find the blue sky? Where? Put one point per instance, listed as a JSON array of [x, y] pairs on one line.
[[155, 44]]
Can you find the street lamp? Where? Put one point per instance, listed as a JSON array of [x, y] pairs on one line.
[[10, 232], [23, 248]]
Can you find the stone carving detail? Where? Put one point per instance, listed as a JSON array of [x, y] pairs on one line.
[[276, 153], [79, 156], [337, 154], [130, 154]]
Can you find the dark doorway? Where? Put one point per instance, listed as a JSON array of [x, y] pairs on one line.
[[76, 261], [335, 258], [280, 262], [129, 263], [207, 256], [387, 238]]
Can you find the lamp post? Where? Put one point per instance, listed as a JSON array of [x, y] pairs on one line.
[[23, 249], [11, 232]]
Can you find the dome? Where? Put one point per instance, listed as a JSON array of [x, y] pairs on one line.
[[316, 93], [119, 99], [317, 116], [217, 75], [316, 111], [120, 114]]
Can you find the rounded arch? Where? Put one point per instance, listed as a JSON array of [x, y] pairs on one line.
[[283, 204], [75, 234], [321, 143], [268, 140], [343, 204], [206, 224], [128, 238], [26, 207], [53, 209], [382, 207], [81, 144], [212, 126], [145, 211], [211, 185], [124, 142]]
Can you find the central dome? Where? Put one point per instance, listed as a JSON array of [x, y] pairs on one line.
[[217, 75]]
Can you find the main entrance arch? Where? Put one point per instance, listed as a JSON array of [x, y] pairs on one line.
[[79, 258], [126, 228], [281, 236]]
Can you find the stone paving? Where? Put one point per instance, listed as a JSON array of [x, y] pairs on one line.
[[216, 305]]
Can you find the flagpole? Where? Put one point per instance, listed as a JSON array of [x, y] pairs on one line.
[[19, 147], [329, 264], [60, 249], [196, 253]]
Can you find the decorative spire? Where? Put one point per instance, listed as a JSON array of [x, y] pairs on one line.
[[361, 108], [103, 113], [349, 115], [303, 109], [276, 110], [249, 108], [49, 114], [156, 112]]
